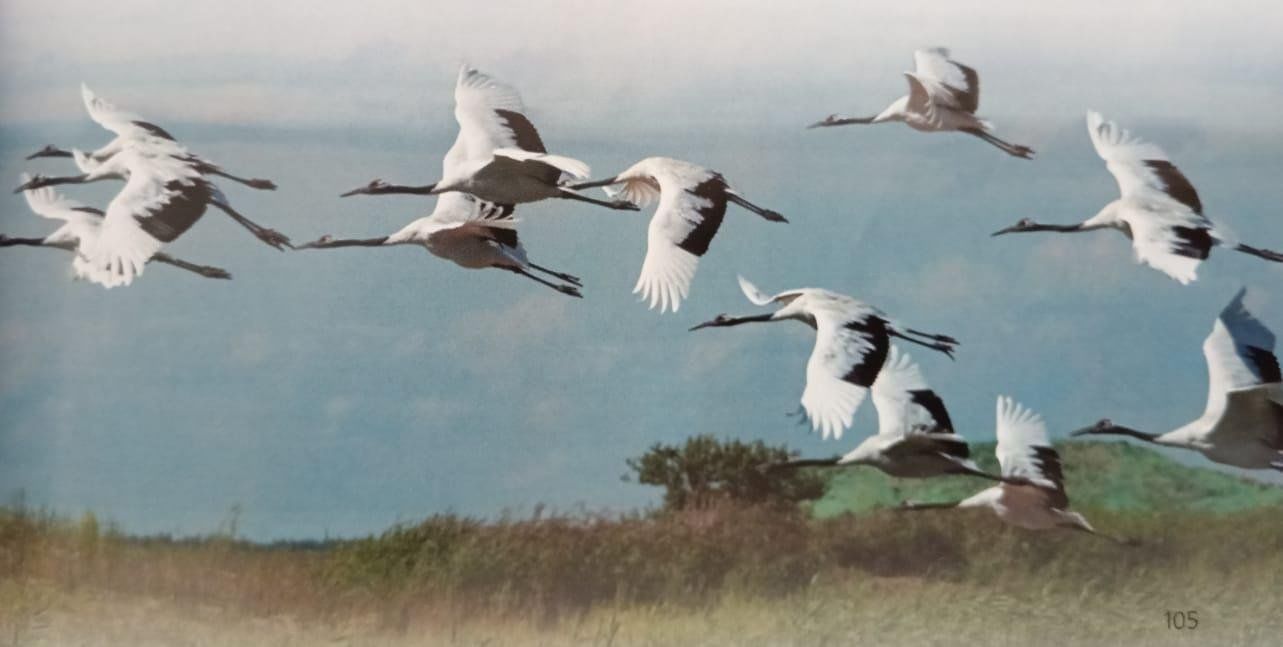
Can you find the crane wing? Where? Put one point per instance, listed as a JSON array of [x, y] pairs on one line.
[[160, 201], [1025, 452], [490, 117], [1172, 241], [678, 235], [920, 99], [949, 82], [641, 191], [1240, 355], [121, 122], [905, 403], [849, 352], [456, 209], [566, 165], [760, 298], [48, 203], [1142, 169]]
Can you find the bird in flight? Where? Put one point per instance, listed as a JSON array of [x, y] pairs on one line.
[[162, 198], [1242, 424], [1159, 210], [1033, 494], [852, 340], [943, 97], [130, 127], [498, 155], [692, 203], [470, 233], [915, 436], [80, 232]]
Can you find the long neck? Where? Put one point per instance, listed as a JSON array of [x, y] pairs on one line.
[[101, 174], [412, 190], [1060, 228], [356, 242], [5, 241], [735, 321], [930, 506], [806, 462], [1126, 431]]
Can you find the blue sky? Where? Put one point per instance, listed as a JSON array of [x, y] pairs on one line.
[[337, 392]]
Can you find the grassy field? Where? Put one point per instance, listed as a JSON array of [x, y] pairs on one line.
[[720, 576]]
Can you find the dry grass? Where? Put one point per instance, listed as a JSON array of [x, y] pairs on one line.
[[728, 576]]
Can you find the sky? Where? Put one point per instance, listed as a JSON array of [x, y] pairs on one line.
[[333, 393]]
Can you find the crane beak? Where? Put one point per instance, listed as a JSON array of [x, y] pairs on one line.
[[827, 121], [707, 324], [360, 191], [29, 185], [49, 151], [1008, 230], [1085, 431]]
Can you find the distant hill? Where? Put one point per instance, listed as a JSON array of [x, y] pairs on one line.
[[1102, 475]]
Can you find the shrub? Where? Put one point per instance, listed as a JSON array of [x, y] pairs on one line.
[[706, 471]]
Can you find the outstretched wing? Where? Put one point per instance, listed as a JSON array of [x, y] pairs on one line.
[[1025, 452], [678, 235], [454, 210], [567, 165], [1240, 355], [1142, 169], [1174, 241], [490, 116], [905, 403], [760, 298], [849, 352], [121, 122], [48, 203], [950, 83], [161, 200]]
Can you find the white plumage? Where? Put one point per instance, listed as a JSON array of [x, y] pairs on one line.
[[852, 340], [132, 130], [1159, 209], [692, 203], [1242, 424], [82, 233], [470, 233], [498, 155], [943, 97], [915, 438], [161, 199], [79, 231], [462, 228], [1033, 494], [164, 195]]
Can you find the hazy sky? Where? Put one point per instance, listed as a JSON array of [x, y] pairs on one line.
[[336, 392]]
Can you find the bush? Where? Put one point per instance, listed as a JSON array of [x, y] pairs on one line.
[[705, 471]]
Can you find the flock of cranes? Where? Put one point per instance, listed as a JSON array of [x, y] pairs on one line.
[[499, 161]]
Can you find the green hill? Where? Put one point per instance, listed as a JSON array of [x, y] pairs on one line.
[[1100, 475]]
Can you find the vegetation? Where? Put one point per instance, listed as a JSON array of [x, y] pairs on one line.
[[1115, 476], [705, 471], [721, 573]]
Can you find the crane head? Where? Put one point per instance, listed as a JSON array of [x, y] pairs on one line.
[[719, 320], [1022, 225], [49, 151], [374, 187]]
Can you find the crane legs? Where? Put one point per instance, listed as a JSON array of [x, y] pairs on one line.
[[1015, 150], [270, 236]]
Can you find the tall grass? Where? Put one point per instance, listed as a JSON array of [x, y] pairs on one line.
[[702, 576]]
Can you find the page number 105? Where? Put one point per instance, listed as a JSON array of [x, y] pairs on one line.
[[1182, 620]]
